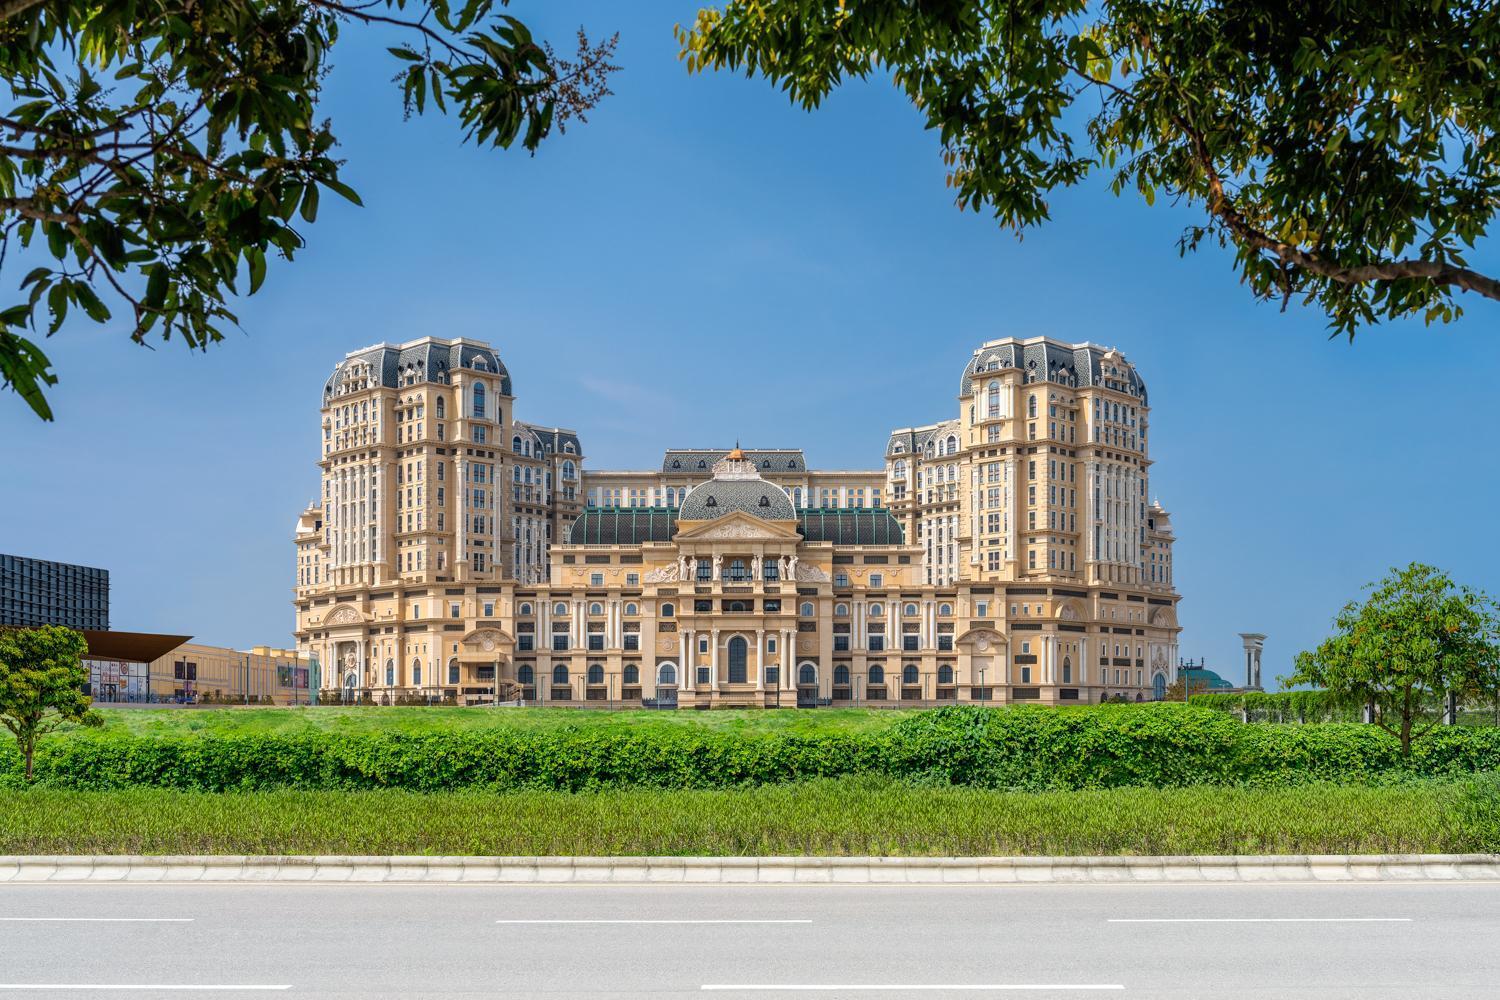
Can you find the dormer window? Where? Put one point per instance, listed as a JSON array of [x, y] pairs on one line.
[[711, 502], [765, 501], [676, 464], [702, 464]]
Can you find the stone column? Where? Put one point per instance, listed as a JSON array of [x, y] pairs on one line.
[[713, 661], [686, 660], [760, 659]]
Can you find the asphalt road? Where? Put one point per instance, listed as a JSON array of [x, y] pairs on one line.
[[1433, 942]]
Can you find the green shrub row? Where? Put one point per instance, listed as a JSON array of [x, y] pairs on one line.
[[1023, 748], [1280, 706]]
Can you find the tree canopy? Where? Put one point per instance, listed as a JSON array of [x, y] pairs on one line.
[[1345, 150], [1417, 638], [159, 151], [42, 677]]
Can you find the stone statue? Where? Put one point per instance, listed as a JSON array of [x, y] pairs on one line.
[[786, 572], [718, 564], [755, 567], [693, 568], [792, 568], [682, 567]]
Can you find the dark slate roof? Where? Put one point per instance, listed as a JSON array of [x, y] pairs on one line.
[[1048, 361], [634, 525], [429, 360], [718, 497], [553, 439], [851, 526], [916, 439], [623, 525], [767, 461]]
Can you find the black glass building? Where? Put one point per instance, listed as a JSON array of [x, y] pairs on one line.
[[43, 592]]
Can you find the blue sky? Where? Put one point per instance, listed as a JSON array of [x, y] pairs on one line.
[[702, 263]]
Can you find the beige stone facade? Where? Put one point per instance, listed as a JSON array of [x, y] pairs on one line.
[[1010, 554]]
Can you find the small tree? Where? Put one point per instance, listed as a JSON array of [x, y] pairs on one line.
[[1416, 639], [41, 684]]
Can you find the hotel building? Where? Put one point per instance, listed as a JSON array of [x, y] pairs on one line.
[[1009, 554]]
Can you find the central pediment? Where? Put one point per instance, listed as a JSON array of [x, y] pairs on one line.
[[737, 527]]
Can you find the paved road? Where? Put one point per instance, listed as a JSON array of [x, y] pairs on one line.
[[1436, 942]]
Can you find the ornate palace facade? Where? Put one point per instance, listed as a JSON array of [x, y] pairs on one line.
[[1007, 555]]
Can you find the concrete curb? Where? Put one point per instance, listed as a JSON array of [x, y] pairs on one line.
[[856, 871]]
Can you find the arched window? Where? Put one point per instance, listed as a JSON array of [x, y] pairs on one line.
[[807, 675], [945, 674], [1159, 687], [570, 471], [877, 675], [807, 609], [667, 610], [595, 673], [736, 606], [910, 610], [478, 399], [390, 673], [666, 674], [515, 444], [993, 406], [632, 674], [945, 610], [898, 470], [876, 610], [525, 608], [560, 608], [841, 610], [909, 675], [738, 650], [596, 608], [1031, 406], [416, 672], [442, 408], [525, 675], [453, 670], [560, 674], [841, 675], [631, 609], [797, 497], [1067, 670], [952, 445]]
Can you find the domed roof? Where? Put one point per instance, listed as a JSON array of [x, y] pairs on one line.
[[718, 497]]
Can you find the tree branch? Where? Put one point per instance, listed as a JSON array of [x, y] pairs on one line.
[[10, 8]]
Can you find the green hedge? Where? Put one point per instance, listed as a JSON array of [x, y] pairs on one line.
[[1026, 748], [1279, 706]]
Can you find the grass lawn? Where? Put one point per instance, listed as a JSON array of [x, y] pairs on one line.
[[354, 719], [858, 816]]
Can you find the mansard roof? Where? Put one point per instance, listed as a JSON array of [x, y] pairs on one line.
[[767, 460], [553, 440], [429, 359], [1044, 360], [916, 439]]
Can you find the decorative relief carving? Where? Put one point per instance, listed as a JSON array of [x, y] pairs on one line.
[[666, 644], [344, 615], [663, 574], [807, 645], [737, 530], [811, 574]]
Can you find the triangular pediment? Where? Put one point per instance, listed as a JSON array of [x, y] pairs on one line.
[[738, 526]]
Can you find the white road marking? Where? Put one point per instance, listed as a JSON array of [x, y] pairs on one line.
[[653, 921], [905, 987], [98, 920], [1261, 920], [146, 987]]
